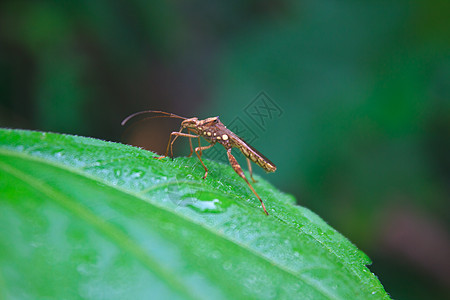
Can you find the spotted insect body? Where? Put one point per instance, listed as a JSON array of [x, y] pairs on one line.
[[214, 131]]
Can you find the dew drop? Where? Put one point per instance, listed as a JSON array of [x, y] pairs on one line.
[[216, 254], [227, 265], [202, 206], [137, 174]]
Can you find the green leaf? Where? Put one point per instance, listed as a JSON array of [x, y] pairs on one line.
[[80, 217]]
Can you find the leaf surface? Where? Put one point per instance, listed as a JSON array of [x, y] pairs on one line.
[[81, 217]]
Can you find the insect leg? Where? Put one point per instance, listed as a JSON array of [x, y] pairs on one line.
[[176, 134], [200, 146], [237, 168], [168, 144], [190, 144], [199, 149], [249, 163]]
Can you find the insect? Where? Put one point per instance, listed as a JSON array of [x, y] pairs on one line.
[[213, 131]]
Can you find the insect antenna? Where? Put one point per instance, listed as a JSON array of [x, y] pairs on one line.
[[164, 115]]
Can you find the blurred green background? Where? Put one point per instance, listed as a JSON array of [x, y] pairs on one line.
[[362, 131]]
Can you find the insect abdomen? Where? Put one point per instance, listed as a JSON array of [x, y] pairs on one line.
[[258, 159]]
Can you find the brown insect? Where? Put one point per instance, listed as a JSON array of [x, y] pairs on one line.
[[212, 130]]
